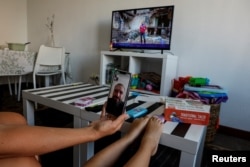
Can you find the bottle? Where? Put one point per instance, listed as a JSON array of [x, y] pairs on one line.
[[109, 70]]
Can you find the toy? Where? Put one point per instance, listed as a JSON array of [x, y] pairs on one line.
[[82, 102], [198, 81], [174, 117], [137, 112], [149, 87], [134, 81]]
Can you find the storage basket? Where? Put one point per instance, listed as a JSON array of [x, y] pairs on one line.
[[17, 46], [213, 122]]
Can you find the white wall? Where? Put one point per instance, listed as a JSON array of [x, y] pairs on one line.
[[13, 18], [83, 27], [211, 39]]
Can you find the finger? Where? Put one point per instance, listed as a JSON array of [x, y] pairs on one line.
[[103, 113], [126, 116], [103, 118], [93, 122], [104, 106], [119, 120]]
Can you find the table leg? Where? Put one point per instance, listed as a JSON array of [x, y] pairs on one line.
[[29, 111], [193, 160], [9, 83], [187, 159], [15, 85], [47, 81], [82, 152], [201, 148], [87, 149], [19, 88], [77, 149]]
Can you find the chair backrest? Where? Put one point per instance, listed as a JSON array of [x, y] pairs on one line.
[[50, 56]]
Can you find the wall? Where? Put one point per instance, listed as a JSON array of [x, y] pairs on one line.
[[13, 16], [211, 39], [81, 26], [13, 26]]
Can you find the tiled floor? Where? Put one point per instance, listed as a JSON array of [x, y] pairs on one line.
[[231, 142]]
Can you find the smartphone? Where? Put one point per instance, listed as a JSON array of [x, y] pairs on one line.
[[118, 93]]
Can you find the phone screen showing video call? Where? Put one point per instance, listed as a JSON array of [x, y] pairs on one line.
[[118, 93]]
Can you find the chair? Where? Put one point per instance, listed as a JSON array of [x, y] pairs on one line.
[[50, 61]]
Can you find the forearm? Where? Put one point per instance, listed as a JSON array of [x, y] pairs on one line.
[[110, 154], [141, 157], [29, 141]]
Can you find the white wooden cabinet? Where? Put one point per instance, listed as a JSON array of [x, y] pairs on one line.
[[134, 62]]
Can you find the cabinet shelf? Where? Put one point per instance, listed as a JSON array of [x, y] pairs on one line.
[[135, 63]]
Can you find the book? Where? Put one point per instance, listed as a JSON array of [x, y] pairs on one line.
[[82, 102], [205, 88], [137, 112]]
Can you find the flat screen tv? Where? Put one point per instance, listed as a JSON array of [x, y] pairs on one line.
[[142, 28]]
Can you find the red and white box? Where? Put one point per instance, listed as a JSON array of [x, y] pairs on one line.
[[186, 111]]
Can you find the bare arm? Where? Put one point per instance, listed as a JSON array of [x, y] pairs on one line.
[[23, 140], [109, 155]]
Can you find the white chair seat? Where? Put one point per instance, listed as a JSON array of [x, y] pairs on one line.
[[43, 73]]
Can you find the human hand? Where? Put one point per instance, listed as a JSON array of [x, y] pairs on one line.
[[106, 127], [105, 115]]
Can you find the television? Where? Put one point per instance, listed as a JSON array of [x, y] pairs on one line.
[[142, 28]]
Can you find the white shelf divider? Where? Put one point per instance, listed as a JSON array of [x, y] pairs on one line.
[[139, 62]]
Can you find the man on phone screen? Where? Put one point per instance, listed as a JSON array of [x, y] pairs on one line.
[[115, 103]]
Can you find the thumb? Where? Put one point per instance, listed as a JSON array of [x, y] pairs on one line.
[[119, 120]]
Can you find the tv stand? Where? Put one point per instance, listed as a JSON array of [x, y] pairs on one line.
[[142, 51], [116, 49], [134, 62]]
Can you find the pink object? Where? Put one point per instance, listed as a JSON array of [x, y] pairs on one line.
[[149, 87], [82, 102]]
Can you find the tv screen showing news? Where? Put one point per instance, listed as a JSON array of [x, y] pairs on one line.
[[142, 28]]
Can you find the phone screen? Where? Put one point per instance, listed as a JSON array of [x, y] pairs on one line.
[[118, 93]]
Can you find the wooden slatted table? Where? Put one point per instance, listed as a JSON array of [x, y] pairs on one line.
[[187, 138]]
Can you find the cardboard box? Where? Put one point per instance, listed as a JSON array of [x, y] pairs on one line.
[[186, 111]]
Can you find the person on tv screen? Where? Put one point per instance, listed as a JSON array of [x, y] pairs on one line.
[[143, 29]]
